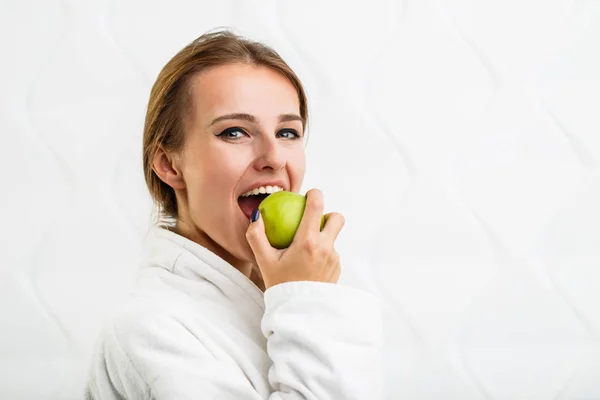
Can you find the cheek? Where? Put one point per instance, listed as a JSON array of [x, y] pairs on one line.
[[224, 168], [297, 165], [209, 173]]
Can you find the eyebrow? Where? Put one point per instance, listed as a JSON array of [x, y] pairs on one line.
[[253, 119]]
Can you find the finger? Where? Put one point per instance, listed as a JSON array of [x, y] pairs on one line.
[[257, 239], [337, 272], [334, 222], [313, 212], [334, 259]]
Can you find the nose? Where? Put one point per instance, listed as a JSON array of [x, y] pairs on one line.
[[270, 155]]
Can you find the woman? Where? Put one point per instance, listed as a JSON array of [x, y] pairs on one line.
[[217, 312]]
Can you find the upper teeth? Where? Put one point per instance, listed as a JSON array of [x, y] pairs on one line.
[[263, 190]]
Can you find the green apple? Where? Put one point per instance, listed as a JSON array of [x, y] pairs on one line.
[[281, 213]]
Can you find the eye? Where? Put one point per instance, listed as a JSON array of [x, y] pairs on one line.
[[289, 134], [232, 133]]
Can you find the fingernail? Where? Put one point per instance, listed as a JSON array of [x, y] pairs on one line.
[[254, 215]]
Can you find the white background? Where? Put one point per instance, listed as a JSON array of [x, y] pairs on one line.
[[460, 138]]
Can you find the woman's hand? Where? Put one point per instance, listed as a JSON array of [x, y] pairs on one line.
[[310, 257]]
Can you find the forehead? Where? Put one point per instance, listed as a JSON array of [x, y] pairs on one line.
[[243, 88]]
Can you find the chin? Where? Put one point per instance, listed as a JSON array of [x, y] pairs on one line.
[[243, 251]]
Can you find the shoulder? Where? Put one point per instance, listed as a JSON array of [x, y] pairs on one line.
[[151, 343], [116, 365], [145, 337], [140, 343], [142, 322]]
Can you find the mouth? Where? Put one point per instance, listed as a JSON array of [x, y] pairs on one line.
[[250, 203], [251, 199]]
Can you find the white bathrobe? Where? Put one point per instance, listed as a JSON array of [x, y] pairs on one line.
[[197, 328]]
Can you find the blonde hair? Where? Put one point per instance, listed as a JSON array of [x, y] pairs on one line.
[[171, 100]]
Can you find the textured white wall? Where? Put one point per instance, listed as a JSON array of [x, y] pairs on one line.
[[461, 139]]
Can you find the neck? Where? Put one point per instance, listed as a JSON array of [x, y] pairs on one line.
[[250, 270]]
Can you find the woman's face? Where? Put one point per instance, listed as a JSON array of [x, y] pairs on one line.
[[244, 131]]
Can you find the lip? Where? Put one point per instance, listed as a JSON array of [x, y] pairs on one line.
[[279, 183]]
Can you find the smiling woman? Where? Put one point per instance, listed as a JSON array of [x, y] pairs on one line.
[[237, 135], [217, 312]]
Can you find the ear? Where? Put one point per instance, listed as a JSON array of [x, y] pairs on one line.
[[165, 167]]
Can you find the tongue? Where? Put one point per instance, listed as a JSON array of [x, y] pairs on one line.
[[250, 203]]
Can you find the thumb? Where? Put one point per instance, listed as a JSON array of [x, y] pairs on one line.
[[257, 239]]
